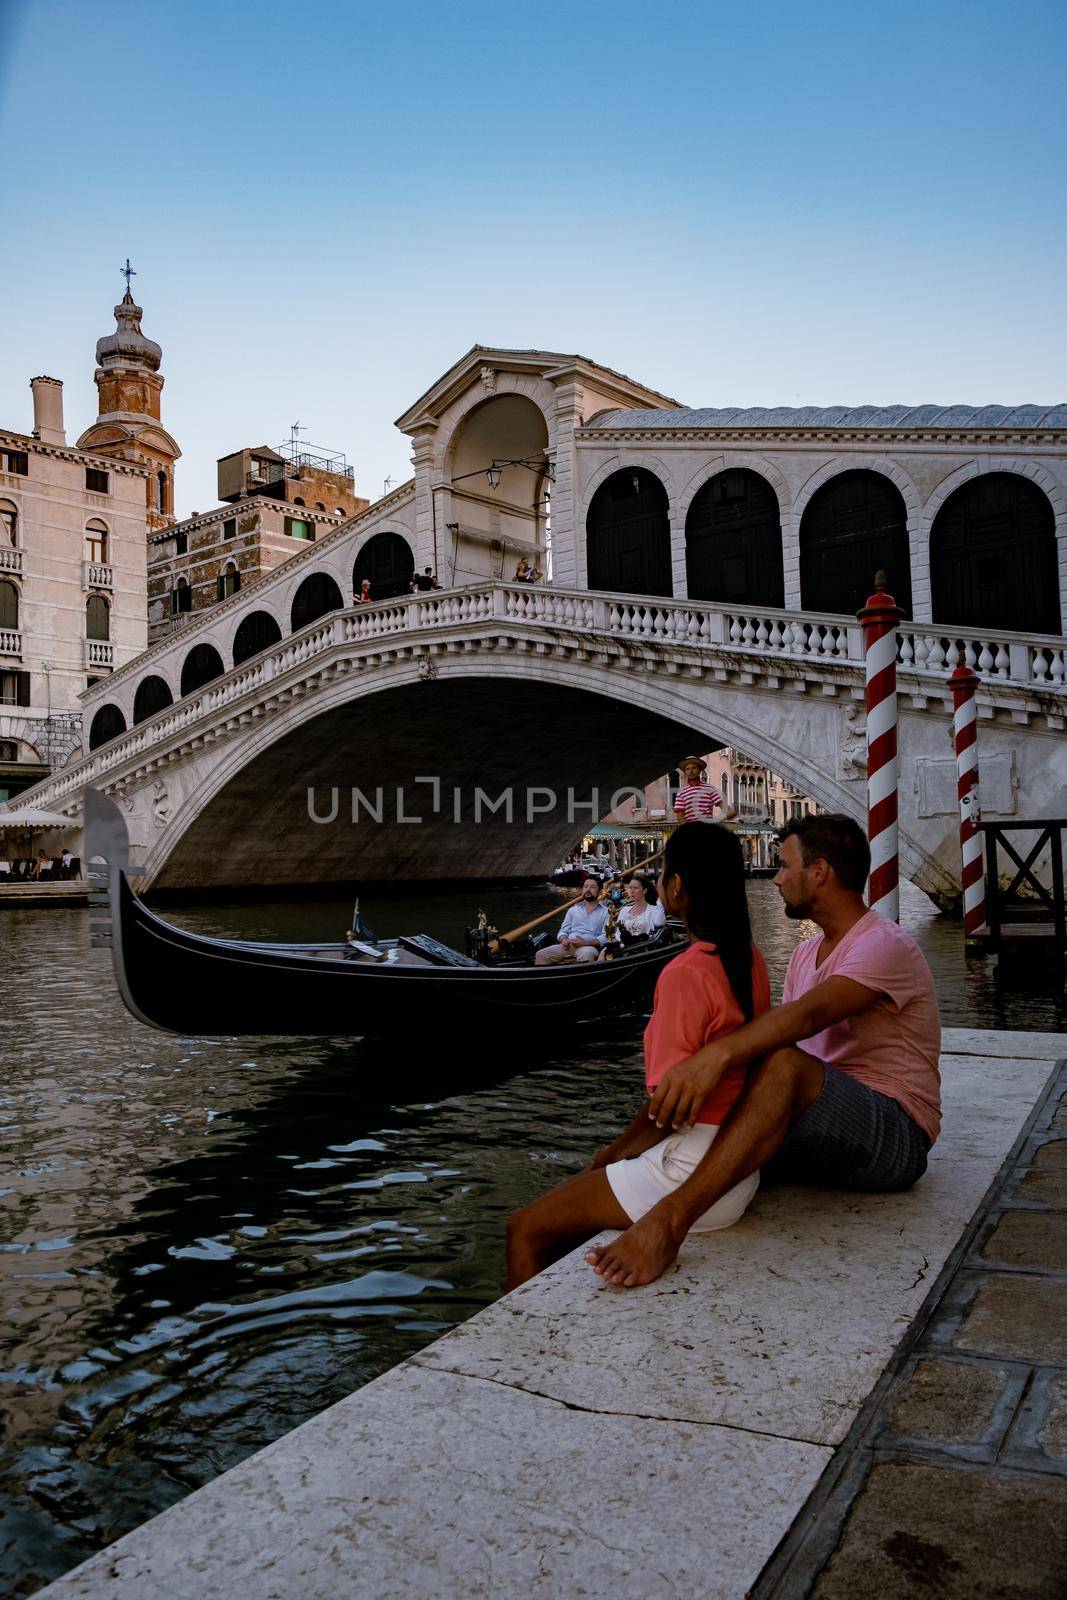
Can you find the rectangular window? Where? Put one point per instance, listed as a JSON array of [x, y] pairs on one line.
[[229, 528], [14, 688], [181, 544], [96, 480], [91, 682], [16, 461], [297, 528]]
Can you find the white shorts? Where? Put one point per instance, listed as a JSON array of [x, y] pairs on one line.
[[641, 1181]]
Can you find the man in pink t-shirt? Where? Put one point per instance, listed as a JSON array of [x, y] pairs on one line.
[[842, 1084]]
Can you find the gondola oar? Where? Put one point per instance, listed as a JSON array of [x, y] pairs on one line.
[[517, 933]]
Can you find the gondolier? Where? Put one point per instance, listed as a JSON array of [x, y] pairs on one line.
[[698, 800]]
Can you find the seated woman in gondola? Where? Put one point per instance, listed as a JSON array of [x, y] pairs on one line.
[[640, 917], [718, 983]]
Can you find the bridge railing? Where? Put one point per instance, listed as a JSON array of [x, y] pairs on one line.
[[927, 650]]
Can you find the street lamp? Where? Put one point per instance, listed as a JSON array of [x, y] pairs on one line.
[[494, 474]]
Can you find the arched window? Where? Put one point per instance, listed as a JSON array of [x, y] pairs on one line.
[[628, 535], [106, 725], [161, 491], [97, 618], [389, 562], [181, 598], [229, 581], [993, 556], [9, 605], [257, 632], [201, 665], [9, 524], [853, 527], [153, 695], [297, 500], [733, 541], [96, 541], [319, 506], [316, 597]]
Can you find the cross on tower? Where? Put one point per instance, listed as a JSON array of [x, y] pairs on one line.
[[127, 272]]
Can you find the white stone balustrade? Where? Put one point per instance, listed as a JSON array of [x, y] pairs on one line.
[[698, 634], [10, 559], [99, 653], [10, 642], [97, 575]]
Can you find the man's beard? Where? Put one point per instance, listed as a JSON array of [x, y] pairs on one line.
[[799, 911]]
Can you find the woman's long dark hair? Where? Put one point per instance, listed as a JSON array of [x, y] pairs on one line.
[[648, 883], [711, 864]]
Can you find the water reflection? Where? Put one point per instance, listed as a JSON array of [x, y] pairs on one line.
[[207, 1241]]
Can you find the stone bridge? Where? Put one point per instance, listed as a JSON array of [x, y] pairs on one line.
[[435, 706]]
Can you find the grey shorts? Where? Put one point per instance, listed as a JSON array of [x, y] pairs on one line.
[[851, 1137]]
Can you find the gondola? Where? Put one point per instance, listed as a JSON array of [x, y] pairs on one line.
[[190, 984]]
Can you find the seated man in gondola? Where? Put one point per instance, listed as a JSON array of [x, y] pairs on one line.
[[582, 937]]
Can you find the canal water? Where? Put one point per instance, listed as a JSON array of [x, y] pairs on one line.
[[205, 1242]]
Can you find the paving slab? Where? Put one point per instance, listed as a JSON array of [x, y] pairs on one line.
[[983, 1042], [531, 1498], [951, 1402], [953, 1532]]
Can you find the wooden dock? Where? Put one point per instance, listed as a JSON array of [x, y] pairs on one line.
[[1026, 913]]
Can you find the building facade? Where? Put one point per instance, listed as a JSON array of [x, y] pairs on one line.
[[72, 585]]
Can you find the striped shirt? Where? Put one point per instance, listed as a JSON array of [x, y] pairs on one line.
[[696, 802]]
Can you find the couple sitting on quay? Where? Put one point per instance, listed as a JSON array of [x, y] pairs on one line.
[[838, 1086]]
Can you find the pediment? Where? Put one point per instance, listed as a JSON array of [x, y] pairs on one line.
[[466, 374]]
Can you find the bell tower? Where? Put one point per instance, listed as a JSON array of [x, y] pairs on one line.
[[128, 424]]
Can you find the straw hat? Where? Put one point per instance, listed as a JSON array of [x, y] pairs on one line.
[[698, 760]]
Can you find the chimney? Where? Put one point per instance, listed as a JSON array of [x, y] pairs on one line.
[[48, 410]]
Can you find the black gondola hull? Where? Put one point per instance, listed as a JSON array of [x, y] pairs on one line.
[[189, 984]]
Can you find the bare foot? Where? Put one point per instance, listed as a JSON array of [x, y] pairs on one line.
[[639, 1255]]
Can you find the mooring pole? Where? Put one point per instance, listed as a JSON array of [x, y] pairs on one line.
[[879, 617], [965, 681]]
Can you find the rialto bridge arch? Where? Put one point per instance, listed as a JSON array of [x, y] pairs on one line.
[[506, 686]]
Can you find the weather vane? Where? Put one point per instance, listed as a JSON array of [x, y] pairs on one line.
[[127, 272]]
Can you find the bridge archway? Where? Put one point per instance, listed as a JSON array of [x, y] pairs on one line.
[[496, 467], [153, 695], [316, 597], [256, 632], [854, 524], [105, 726], [733, 541], [355, 730], [201, 666], [628, 535], [993, 558], [389, 562]]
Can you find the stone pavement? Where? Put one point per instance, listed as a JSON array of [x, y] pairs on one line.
[[843, 1395], [954, 1480]]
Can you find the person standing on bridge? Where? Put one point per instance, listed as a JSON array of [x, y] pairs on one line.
[[697, 800], [841, 1086]]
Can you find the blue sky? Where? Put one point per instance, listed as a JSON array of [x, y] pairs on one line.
[[327, 204]]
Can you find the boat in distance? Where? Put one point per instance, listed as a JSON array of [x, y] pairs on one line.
[[192, 984]]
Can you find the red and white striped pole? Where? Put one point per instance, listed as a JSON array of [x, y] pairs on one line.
[[879, 617], [964, 683]]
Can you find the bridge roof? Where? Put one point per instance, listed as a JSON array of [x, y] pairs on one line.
[[920, 417]]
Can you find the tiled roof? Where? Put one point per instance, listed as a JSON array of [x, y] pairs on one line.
[[924, 417]]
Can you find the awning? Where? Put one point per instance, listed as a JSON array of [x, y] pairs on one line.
[[637, 830]]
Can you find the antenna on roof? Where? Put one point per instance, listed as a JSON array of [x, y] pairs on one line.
[[295, 430]]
